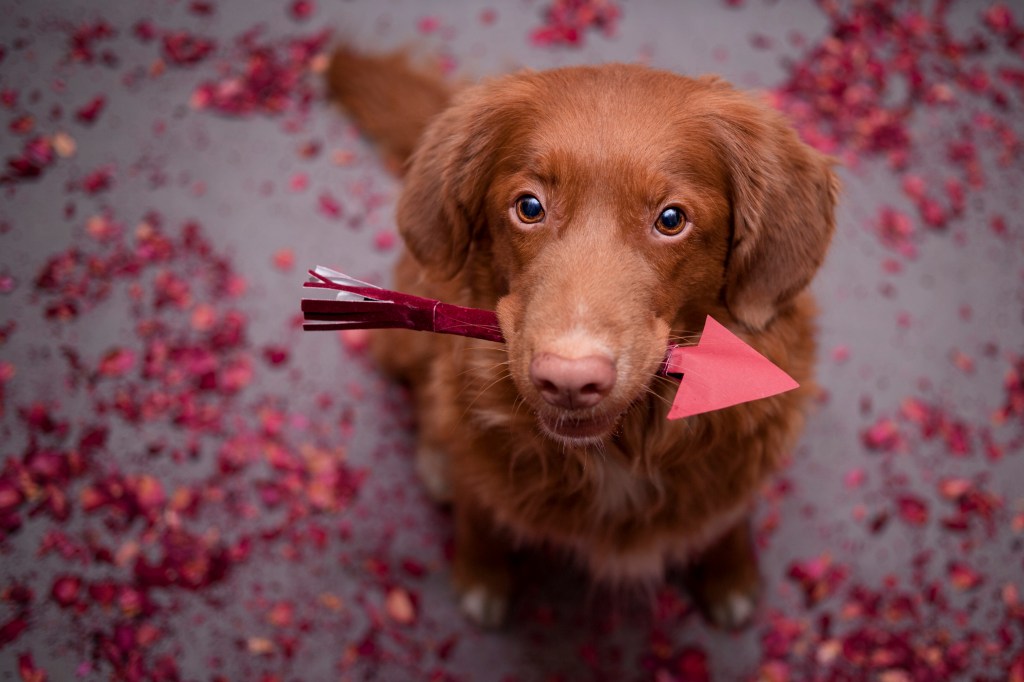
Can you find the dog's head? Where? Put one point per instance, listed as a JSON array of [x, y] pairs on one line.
[[603, 210]]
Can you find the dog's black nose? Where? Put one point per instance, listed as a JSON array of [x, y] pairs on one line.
[[572, 383]]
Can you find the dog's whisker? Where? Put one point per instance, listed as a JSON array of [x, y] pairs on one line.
[[666, 381], [483, 368], [657, 396], [516, 404], [482, 391], [685, 339], [502, 349]]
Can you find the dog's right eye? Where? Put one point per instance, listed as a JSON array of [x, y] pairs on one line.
[[671, 222], [529, 209]]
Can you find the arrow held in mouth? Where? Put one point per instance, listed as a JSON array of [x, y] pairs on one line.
[[721, 371]]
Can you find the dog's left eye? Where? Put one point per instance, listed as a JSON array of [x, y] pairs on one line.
[[529, 209], [671, 222]]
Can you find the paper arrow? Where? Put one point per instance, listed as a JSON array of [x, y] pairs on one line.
[[721, 371]]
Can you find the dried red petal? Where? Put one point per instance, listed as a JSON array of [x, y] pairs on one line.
[[400, 607], [275, 355], [117, 362], [284, 260], [912, 509], [12, 629], [329, 206], [28, 670], [819, 577], [66, 590], [186, 49], [302, 9], [90, 111]]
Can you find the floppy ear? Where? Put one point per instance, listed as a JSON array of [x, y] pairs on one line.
[[783, 200], [441, 208]]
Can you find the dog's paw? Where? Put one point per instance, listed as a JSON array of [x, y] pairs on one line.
[[733, 611], [724, 582], [484, 606], [728, 604], [432, 467]]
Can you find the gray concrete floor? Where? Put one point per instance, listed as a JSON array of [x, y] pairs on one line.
[[251, 513]]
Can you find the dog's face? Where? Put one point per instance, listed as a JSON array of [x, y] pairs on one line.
[[606, 209]]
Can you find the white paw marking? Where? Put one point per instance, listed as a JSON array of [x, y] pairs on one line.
[[484, 607], [734, 611]]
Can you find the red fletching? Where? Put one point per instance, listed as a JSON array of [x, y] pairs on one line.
[[364, 306]]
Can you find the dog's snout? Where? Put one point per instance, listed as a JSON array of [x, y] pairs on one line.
[[572, 383]]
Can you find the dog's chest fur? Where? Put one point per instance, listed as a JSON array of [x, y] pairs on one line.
[[618, 518], [620, 491]]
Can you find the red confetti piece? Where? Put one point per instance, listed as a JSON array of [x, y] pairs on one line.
[[284, 260], [912, 510], [89, 112], [329, 206], [7, 283], [12, 629], [22, 125], [102, 229], [28, 670], [281, 615], [385, 240], [854, 479], [896, 231], [963, 362], [7, 372], [819, 578], [117, 362], [428, 25], [145, 31], [36, 156], [302, 10], [884, 435], [201, 8], [275, 355], [66, 590], [566, 21], [82, 41], [99, 180], [400, 607], [1013, 385], [185, 49], [693, 665], [963, 577]]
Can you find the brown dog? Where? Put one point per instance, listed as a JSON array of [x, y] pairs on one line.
[[603, 212]]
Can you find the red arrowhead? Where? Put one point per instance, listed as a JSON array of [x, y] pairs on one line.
[[722, 371]]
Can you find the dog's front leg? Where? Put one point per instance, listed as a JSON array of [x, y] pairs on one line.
[[724, 580], [481, 567]]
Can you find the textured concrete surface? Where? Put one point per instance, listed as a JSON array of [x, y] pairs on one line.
[[191, 488]]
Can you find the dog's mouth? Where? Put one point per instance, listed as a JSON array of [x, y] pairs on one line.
[[578, 430]]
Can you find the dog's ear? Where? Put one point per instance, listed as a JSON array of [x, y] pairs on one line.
[[441, 207], [783, 196]]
